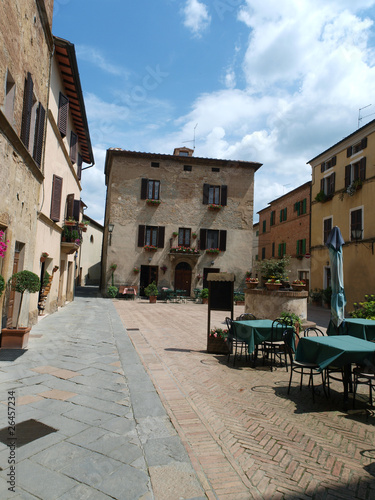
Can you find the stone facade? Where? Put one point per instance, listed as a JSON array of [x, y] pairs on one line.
[[26, 48], [343, 195], [184, 209], [284, 229], [91, 255]]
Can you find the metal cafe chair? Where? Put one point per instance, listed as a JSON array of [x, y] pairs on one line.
[[245, 316], [364, 375], [275, 347], [234, 343], [300, 367]]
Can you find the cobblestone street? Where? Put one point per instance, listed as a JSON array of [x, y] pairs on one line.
[[246, 437]]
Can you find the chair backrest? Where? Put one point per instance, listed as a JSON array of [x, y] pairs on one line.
[[288, 337], [245, 316], [278, 327], [230, 326], [313, 332]]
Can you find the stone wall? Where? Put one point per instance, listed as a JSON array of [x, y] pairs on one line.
[[269, 305]]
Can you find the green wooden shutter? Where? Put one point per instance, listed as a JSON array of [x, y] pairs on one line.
[[304, 203], [304, 246]]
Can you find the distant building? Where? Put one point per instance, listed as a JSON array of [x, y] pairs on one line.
[[284, 229], [176, 218], [255, 256], [343, 195], [91, 254]]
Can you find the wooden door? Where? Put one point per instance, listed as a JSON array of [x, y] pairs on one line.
[[12, 294], [182, 278]]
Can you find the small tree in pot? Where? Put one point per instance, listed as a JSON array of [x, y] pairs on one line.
[[152, 291], [21, 282]]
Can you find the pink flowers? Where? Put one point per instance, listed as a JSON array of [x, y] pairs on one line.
[[3, 245]]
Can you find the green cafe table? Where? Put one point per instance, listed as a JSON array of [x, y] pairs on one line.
[[254, 331], [338, 350], [356, 327]]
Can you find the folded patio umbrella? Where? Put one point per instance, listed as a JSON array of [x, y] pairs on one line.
[[338, 299]]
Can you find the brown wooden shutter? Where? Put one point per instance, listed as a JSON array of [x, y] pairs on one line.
[[56, 198], [62, 120], [322, 167], [362, 169], [224, 195], [39, 134], [26, 111], [331, 185], [144, 186], [76, 209], [73, 147], [161, 234], [222, 241], [69, 205], [206, 189], [334, 161], [79, 167], [322, 185], [364, 143], [203, 239], [141, 236], [349, 151], [347, 175]]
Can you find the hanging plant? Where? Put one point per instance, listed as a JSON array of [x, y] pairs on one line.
[[135, 270]]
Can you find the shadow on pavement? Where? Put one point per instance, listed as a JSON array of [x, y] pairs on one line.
[[11, 354], [87, 291]]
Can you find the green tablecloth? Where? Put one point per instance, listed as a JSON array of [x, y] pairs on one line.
[[337, 350], [255, 331], [356, 327]]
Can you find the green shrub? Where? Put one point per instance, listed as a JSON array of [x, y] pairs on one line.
[[327, 294], [2, 285], [274, 268], [294, 317], [239, 297], [204, 293], [151, 290], [112, 291], [364, 309], [316, 294]]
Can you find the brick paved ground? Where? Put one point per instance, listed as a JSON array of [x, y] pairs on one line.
[[245, 436]]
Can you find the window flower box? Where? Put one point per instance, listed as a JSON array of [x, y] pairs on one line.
[[153, 203], [213, 251], [213, 206], [70, 222], [150, 248], [185, 250]]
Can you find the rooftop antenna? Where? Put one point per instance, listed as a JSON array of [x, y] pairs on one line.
[[361, 117], [193, 141]]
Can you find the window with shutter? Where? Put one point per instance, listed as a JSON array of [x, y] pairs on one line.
[[356, 228], [69, 206], [222, 240], [73, 147], [153, 190], [272, 218], [79, 166], [203, 239], [184, 237], [327, 226], [224, 195], [56, 198], [28, 98], [62, 119], [39, 134]]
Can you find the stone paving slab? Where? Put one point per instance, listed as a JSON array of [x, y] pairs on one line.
[[79, 376]]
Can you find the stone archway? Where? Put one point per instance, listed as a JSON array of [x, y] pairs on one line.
[[182, 277]]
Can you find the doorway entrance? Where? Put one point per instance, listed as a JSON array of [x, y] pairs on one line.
[[148, 275], [182, 278]]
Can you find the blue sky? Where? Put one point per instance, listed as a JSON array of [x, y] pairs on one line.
[[276, 82]]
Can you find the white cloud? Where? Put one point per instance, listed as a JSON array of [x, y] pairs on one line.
[[95, 57], [196, 16]]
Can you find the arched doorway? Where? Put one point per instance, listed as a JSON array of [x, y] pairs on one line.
[[182, 278]]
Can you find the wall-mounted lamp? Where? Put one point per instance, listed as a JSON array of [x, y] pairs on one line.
[[110, 230], [356, 235], [150, 259], [212, 262]]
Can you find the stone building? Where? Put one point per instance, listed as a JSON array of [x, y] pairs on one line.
[[284, 229], [68, 147], [26, 47], [343, 195], [173, 219], [91, 255]]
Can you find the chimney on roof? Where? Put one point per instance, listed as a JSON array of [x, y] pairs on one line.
[[183, 152]]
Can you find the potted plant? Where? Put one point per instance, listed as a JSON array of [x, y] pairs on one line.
[[113, 268], [152, 292], [239, 299], [195, 235], [204, 295], [175, 233], [217, 341], [273, 284], [316, 296], [298, 285], [21, 282], [136, 270], [296, 320], [251, 282], [327, 294], [70, 222], [44, 256], [273, 268], [112, 291]]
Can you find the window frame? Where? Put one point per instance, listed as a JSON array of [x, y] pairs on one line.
[[184, 237], [325, 231], [361, 223]]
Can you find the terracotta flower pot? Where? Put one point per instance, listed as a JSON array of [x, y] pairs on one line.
[[298, 288], [152, 299], [15, 338], [273, 286], [251, 285]]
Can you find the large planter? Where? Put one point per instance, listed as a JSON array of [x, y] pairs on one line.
[[298, 288], [152, 299], [273, 286], [205, 300], [217, 345], [15, 338]]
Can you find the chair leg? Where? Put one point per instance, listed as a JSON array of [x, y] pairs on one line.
[[312, 386], [290, 379], [354, 390]]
